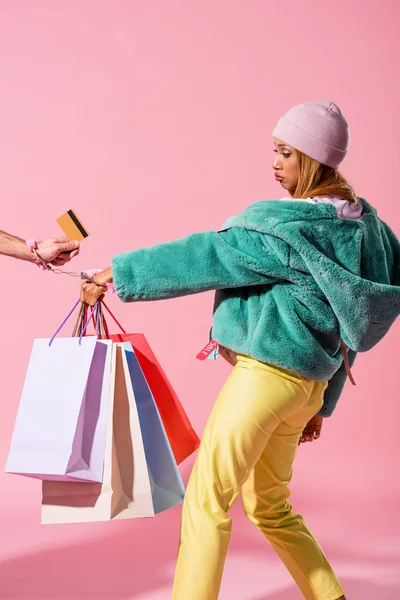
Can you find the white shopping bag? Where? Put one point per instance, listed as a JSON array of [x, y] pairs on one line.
[[61, 426], [126, 491], [141, 477]]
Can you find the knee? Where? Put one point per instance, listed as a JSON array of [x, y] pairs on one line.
[[215, 475], [267, 515]]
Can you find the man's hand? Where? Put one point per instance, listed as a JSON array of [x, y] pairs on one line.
[[312, 430], [91, 292], [58, 251]]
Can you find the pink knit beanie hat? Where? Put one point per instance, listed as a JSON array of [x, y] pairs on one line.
[[317, 129]]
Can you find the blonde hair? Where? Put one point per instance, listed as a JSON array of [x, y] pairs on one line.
[[316, 179]]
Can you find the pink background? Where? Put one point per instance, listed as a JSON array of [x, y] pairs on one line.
[[153, 120]]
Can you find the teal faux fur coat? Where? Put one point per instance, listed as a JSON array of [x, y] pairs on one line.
[[292, 279]]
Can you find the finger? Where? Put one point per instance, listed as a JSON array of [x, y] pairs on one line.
[[62, 258], [68, 255], [67, 246], [87, 295], [93, 299], [92, 293], [83, 292], [58, 262], [61, 239]]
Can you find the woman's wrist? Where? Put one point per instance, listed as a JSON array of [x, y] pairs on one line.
[[104, 277]]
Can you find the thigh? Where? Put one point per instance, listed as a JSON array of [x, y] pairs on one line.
[[254, 402], [267, 483]]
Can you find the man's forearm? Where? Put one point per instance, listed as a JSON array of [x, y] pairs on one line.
[[16, 247]]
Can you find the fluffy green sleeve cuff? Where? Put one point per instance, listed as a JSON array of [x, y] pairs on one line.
[[199, 262], [335, 387]]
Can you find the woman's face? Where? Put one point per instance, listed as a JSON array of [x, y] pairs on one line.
[[285, 165]]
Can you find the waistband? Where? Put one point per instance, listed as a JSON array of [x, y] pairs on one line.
[[232, 357]]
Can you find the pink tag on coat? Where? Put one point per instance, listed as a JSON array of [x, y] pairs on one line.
[[212, 344]]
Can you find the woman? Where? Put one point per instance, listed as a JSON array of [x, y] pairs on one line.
[[303, 284]]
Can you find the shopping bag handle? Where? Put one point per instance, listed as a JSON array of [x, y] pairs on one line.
[[83, 331], [98, 317], [112, 316]]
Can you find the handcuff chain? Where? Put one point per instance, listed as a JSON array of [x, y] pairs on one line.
[[81, 275]]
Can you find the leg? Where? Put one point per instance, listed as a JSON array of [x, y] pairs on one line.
[[249, 408], [265, 495]]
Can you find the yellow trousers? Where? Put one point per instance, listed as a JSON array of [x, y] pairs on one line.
[[249, 444]]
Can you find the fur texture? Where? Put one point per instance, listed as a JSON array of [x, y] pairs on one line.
[[292, 279]]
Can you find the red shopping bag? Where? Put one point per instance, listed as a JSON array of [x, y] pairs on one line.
[[182, 437]]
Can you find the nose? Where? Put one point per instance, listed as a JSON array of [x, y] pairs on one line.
[[276, 165]]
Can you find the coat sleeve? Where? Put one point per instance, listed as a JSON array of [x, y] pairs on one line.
[[200, 262], [335, 387]]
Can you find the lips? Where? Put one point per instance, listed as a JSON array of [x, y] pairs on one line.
[[278, 177]]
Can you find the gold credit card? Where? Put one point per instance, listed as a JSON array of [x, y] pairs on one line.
[[72, 227]]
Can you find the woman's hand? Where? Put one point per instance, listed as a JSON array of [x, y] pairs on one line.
[[312, 430], [91, 292]]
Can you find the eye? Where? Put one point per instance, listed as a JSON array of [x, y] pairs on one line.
[[285, 154]]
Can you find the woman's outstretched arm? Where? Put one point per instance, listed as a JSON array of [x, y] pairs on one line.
[[197, 263]]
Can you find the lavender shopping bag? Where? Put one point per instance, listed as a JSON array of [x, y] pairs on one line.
[[61, 425]]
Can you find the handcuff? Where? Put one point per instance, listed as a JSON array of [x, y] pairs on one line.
[[45, 266]]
